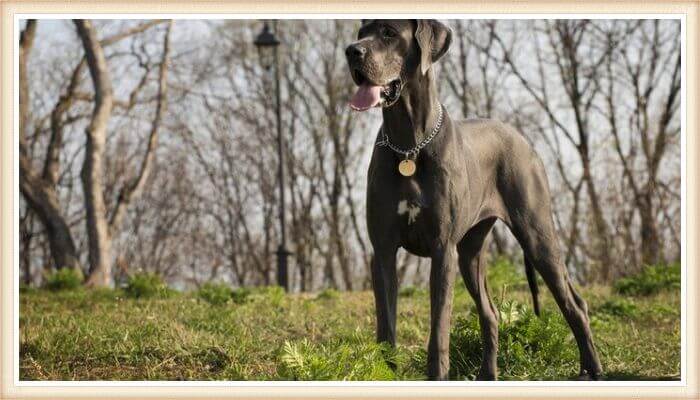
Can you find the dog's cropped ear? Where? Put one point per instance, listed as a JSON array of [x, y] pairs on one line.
[[434, 39]]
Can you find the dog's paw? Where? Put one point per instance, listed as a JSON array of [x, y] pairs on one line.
[[589, 376], [486, 376]]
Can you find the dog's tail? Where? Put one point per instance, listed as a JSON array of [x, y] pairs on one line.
[[532, 282]]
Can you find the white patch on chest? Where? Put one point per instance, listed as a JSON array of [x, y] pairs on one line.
[[410, 209]]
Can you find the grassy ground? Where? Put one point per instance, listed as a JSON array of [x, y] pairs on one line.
[[267, 335]]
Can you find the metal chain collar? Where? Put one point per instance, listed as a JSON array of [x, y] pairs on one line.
[[385, 138]]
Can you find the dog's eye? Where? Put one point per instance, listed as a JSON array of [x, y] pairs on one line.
[[387, 33]]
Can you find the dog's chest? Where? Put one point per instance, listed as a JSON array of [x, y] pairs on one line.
[[417, 211], [412, 201]]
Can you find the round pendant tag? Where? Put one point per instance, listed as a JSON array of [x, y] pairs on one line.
[[407, 167]]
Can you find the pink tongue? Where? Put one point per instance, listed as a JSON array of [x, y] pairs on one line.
[[366, 97]]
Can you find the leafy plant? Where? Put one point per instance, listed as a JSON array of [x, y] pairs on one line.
[[24, 288], [274, 295], [411, 291], [502, 272], [146, 285], [240, 295], [64, 279], [328, 294], [529, 347], [215, 293], [617, 307], [652, 280], [336, 360]]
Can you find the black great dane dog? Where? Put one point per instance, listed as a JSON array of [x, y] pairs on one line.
[[436, 186]]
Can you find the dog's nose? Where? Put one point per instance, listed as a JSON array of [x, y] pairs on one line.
[[355, 51]]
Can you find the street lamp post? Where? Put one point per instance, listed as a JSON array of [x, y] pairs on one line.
[[267, 44]]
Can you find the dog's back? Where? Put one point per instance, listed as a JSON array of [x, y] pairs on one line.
[[498, 146]]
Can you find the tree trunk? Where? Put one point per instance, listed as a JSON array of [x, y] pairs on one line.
[[602, 245], [45, 204], [99, 239], [41, 195], [26, 224], [651, 249]]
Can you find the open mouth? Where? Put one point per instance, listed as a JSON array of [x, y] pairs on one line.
[[370, 95]]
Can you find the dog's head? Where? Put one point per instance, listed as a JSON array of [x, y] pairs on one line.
[[389, 53]]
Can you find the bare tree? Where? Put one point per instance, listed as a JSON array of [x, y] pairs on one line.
[[655, 83], [100, 228], [323, 88], [96, 133], [40, 189]]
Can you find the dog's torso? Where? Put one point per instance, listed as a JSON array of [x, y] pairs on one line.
[[465, 175]]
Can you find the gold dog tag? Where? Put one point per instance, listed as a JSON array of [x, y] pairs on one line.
[[407, 167]]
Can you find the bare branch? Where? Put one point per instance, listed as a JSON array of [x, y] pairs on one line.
[[134, 189]]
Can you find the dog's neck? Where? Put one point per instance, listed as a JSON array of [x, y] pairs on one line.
[[408, 121]]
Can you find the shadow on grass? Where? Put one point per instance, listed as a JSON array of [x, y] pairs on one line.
[[628, 376]]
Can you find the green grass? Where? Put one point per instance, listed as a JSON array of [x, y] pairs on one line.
[[63, 279], [653, 279], [264, 334], [145, 285], [215, 293]]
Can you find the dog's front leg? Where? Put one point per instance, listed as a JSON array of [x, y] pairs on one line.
[[442, 275], [384, 283]]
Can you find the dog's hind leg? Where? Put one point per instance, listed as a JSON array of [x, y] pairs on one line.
[[525, 195], [532, 283], [384, 283], [472, 264], [538, 241]]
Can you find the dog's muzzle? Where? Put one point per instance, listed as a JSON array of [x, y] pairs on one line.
[[370, 94]]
